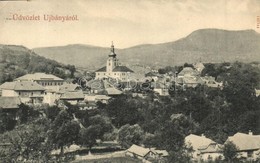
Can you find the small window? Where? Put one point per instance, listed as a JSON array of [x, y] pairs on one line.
[[250, 154]]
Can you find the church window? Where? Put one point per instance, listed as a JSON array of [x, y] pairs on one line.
[[115, 74]]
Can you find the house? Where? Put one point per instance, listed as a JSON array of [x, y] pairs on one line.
[[188, 71], [10, 105], [203, 148], [140, 152], [160, 88], [199, 66], [211, 82], [53, 93], [51, 96], [95, 98], [73, 97], [212, 151], [257, 92], [96, 86], [29, 92], [42, 79], [110, 89], [113, 69], [189, 81], [248, 144], [147, 154]]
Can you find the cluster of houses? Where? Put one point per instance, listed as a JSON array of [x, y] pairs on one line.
[[41, 88], [147, 154], [205, 149]]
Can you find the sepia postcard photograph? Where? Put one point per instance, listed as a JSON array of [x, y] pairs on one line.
[[130, 81]]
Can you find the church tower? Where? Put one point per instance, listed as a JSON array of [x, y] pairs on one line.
[[112, 61]]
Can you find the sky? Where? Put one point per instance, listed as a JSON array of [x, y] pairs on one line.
[[125, 22]]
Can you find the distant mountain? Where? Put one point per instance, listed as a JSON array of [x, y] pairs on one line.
[[16, 61], [207, 45]]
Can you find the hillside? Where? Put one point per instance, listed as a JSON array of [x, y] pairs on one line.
[[207, 45], [16, 61]]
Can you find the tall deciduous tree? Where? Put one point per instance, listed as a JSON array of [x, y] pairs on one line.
[[230, 151], [64, 131], [129, 135]]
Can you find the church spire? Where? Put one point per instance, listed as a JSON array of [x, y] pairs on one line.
[[112, 54], [112, 48]]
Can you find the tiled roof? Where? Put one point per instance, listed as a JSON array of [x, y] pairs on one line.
[[245, 141], [95, 84], [197, 141], [138, 150], [211, 148], [72, 95], [68, 87], [22, 86], [116, 69], [39, 76], [122, 69], [113, 91], [189, 71], [9, 102], [103, 69]]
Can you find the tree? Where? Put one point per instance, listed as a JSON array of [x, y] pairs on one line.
[[52, 112], [230, 151], [63, 132], [7, 121], [123, 110], [27, 143], [129, 135], [88, 136], [26, 113]]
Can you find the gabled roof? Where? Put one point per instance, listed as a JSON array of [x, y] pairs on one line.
[[211, 148], [22, 86], [68, 87], [9, 102], [39, 76], [103, 69], [188, 71], [140, 151], [197, 141], [72, 95], [245, 141], [122, 69], [113, 91]]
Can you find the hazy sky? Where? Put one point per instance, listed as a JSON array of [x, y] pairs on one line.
[[126, 22]]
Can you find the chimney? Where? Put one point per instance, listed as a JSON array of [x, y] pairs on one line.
[[202, 135], [250, 132]]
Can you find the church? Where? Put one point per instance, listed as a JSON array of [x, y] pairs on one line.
[[113, 69]]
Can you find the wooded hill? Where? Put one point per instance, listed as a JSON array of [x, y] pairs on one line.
[[16, 61]]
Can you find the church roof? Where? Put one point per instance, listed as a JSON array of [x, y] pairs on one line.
[[103, 69], [116, 69], [122, 69]]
